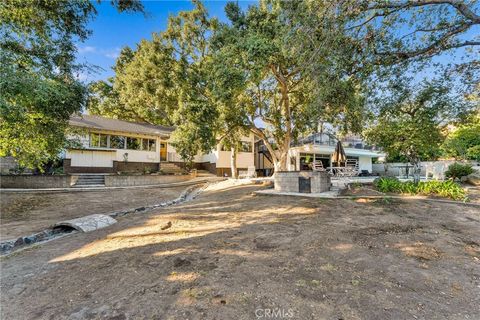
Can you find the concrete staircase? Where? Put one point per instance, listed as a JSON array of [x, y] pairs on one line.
[[171, 168], [90, 181]]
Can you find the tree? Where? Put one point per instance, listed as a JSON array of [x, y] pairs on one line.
[[38, 82], [165, 81], [258, 67], [400, 34], [104, 100], [410, 122], [464, 141]]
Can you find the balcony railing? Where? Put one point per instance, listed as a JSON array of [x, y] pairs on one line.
[[325, 139]]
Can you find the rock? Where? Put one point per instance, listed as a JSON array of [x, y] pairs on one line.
[[474, 179], [180, 262], [88, 223], [18, 242], [168, 225], [30, 239]]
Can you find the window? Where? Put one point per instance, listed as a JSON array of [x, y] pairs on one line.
[[245, 147], [148, 144], [117, 142], [134, 143], [98, 140]]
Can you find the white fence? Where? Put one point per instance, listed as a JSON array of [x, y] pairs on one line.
[[434, 169]]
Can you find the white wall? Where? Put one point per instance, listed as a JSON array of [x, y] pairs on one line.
[[88, 158], [103, 157], [244, 159], [365, 163]]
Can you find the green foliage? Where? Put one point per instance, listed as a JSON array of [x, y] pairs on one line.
[[34, 112], [409, 124], [165, 82], [38, 85], [473, 152], [262, 72], [447, 189], [458, 170], [464, 142]]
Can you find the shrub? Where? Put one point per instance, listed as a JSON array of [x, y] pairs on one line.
[[387, 184], [458, 170], [474, 153], [447, 189]]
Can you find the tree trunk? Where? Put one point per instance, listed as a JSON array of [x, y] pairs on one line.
[[233, 162], [415, 161], [281, 164]]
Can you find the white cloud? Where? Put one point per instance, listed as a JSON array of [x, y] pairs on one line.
[[112, 54], [87, 49]]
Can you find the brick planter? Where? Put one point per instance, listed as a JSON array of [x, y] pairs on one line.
[[302, 181]]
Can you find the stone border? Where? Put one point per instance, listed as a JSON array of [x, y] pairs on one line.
[[9, 246]]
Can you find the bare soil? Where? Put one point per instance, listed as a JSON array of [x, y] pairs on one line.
[[25, 213], [230, 254]]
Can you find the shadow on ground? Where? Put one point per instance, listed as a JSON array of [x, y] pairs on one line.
[[230, 253]]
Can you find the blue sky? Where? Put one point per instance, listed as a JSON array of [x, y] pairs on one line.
[[112, 30]]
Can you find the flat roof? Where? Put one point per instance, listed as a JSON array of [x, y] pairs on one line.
[[103, 123]]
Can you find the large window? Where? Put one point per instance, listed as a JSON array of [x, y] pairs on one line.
[[148, 144], [117, 142], [98, 140], [134, 143], [245, 146]]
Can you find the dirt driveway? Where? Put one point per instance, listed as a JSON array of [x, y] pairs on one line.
[[25, 213], [230, 254]]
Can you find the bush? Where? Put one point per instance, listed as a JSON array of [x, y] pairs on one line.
[[458, 170], [474, 153], [447, 189]]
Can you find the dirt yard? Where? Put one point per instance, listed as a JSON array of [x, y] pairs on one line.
[[25, 213], [231, 254]]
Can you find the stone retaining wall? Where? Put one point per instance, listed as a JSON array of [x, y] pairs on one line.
[[7, 164], [35, 182], [288, 181], [144, 180]]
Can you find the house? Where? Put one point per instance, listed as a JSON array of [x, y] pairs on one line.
[[318, 147], [105, 145]]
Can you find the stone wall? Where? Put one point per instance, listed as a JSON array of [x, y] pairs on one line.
[[288, 181], [143, 180], [35, 182], [7, 164]]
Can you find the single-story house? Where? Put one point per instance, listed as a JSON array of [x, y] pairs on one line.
[[106, 145], [319, 147]]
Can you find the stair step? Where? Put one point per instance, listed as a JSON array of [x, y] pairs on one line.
[[88, 186], [90, 181]]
